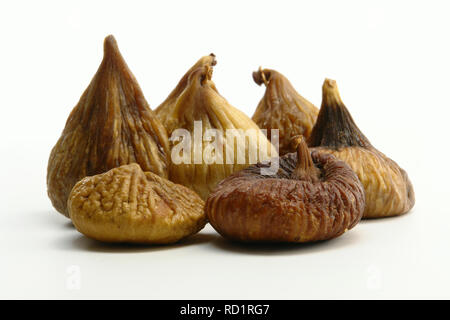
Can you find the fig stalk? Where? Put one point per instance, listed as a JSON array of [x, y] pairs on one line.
[[305, 168], [260, 76], [335, 126]]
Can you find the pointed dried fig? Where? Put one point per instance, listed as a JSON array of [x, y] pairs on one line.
[[283, 108], [312, 197], [196, 102], [126, 204], [388, 189], [111, 125]]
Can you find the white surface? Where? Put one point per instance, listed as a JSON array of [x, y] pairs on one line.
[[391, 61]]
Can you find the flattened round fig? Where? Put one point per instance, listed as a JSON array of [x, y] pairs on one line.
[[126, 204], [312, 197]]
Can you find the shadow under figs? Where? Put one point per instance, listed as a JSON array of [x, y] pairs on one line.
[[269, 249], [86, 244]]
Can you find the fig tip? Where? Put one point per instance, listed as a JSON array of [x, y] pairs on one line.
[[329, 83], [110, 41], [261, 77], [110, 45], [305, 168], [297, 140], [214, 61]]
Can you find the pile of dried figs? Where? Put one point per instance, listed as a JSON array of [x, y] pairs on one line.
[[291, 173]]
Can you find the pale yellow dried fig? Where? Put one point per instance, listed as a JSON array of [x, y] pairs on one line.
[[128, 205], [111, 125], [196, 102], [283, 108]]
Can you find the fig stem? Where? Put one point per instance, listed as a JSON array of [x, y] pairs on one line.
[[263, 76], [330, 93], [260, 77], [213, 59], [335, 127], [305, 169], [110, 47]]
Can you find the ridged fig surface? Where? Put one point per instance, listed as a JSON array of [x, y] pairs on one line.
[[306, 200], [128, 205], [196, 99], [388, 190], [283, 108], [111, 125]]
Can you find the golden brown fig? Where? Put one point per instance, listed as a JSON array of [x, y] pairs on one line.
[[312, 197], [283, 108], [197, 108], [111, 125], [388, 189], [126, 204]]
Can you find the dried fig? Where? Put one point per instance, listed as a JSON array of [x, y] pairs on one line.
[[387, 187], [195, 108], [283, 108], [312, 197], [126, 204], [111, 125]]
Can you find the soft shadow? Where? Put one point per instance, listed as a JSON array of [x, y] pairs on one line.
[[85, 244], [69, 225], [382, 219], [268, 249]]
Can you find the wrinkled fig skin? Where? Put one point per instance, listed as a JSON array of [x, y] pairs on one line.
[[284, 207], [111, 125], [388, 190], [197, 99], [283, 108], [128, 205]]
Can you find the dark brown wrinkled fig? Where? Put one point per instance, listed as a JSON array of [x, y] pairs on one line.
[[126, 204], [312, 197], [111, 125], [283, 108], [196, 101], [388, 189]]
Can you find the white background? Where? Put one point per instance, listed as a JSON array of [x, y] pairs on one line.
[[391, 61]]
